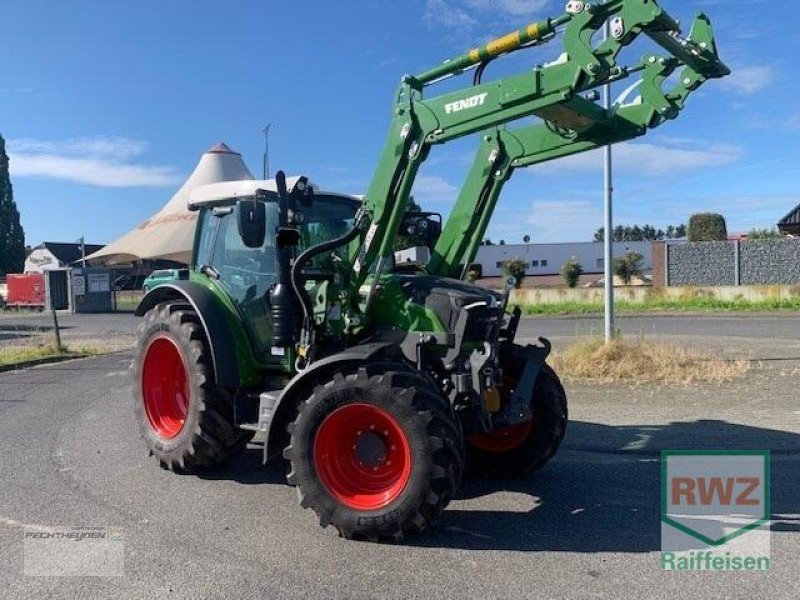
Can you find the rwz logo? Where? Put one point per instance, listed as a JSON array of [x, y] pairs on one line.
[[471, 102]]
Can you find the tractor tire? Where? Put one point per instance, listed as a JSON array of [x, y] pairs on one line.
[[516, 451], [377, 453], [185, 420]]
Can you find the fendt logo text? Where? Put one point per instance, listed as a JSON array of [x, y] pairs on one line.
[[471, 102], [715, 510]]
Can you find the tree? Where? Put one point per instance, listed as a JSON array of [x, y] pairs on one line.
[[641, 233], [12, 236], [707, 227], [628, 267], [571, 271], [515, 267]]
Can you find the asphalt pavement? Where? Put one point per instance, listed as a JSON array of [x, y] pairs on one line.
[[587, 526]]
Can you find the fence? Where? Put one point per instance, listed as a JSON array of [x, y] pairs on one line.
[[755, 262]]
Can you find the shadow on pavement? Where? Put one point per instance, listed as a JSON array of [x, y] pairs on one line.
[[600, 494]]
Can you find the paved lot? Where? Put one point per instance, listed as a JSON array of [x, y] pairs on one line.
[[585, 527]]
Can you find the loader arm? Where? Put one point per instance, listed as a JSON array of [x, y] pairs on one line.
[[550, 91], [572, 127]]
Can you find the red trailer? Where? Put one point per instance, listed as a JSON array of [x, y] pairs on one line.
[[25, 291]]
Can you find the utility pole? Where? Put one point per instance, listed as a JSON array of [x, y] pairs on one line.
[[265, 131], [82, 242], [608, 241]]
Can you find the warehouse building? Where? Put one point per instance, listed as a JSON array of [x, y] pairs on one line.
[[547, 259]]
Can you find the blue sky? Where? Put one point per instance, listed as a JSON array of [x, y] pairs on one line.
[[106, 107]]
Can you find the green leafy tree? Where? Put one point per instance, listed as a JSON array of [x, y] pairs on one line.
[[628, 267], [515, 267], [571, 271], [642, 233], [12, 236], [707, 227]]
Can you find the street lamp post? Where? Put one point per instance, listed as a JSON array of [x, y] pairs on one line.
[[608, 238]]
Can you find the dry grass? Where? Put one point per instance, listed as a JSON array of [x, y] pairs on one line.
[[18, 355], [642, 361]]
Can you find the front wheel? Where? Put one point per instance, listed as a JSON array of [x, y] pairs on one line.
[[375, 455], [521, 449]]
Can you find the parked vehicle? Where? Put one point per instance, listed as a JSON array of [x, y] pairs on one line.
[[128, 282], [160, 276]]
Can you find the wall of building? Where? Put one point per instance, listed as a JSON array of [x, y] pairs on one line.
[[756, 262], [547, 259], [40, 260]]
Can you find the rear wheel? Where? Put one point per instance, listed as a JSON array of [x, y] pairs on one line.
[[185, 420], [376, 454], [521, 449]]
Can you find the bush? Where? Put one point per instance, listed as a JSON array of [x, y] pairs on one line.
[[763, 234], [707, 227], [515, 267], [628, 267], [571, 272], [472, 275]]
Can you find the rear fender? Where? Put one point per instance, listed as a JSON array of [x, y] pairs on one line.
[[220, 330]]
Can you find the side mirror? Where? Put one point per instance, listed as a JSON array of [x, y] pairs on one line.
[[251, 216]]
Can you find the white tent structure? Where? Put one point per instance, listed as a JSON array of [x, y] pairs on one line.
[[169, 234]]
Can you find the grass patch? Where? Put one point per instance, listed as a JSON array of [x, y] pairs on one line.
[[697, 304], [14, 356], [643, 361]]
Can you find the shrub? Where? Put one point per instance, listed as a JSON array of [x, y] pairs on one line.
[[763, 234], [472, 275], [571, 271], [515, 267], [707, 227], [628, 267]]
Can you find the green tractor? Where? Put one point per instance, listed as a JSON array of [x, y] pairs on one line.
[[378, 383]]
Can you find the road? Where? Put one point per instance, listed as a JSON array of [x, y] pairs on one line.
[[784, 326], [585, 527]]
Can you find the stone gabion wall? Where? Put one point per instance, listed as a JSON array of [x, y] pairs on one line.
[[761, 262], [702, 263], [770, 262]]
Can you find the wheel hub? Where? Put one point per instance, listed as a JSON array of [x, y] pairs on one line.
[[362, 456]]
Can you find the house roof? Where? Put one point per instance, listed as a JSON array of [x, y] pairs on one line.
[[791, 222], [69, 253]]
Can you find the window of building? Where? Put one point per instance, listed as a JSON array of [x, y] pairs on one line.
[[534, 263], [499, 265], [601, 263], [544, 263]]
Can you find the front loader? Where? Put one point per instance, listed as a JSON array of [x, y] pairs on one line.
[[376, 385]]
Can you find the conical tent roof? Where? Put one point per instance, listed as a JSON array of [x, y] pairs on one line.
[[169, 234]]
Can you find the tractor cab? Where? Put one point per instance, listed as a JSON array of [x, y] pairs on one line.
[[242, 239]]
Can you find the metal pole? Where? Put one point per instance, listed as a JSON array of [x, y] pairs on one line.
[[609, 220], [266, 150]]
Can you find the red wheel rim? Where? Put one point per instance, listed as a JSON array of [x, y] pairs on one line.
[[362, 456], [503, 439], [165, 387]]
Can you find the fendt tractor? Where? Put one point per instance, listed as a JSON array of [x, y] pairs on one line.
[[377, 382]]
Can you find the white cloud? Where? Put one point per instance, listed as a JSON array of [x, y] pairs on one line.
[[103, 161], [430, 188], [514, 8], [749, 80], [472, 13], [670, 156]]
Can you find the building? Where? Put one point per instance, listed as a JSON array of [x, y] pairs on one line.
[[547, 259], [56, 255], [790, 224]]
